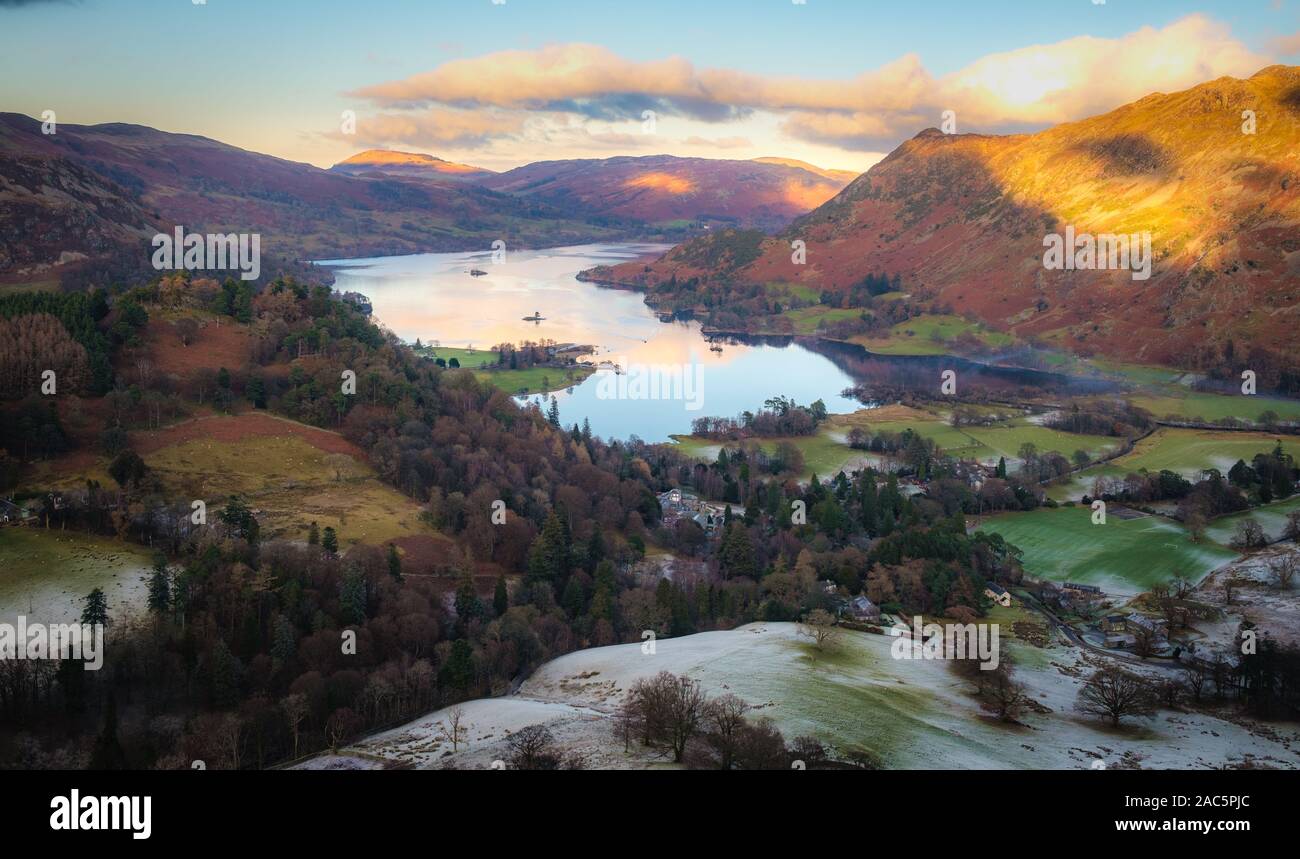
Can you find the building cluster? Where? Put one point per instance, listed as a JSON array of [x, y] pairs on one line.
[[1122, 630], [677, 505], [1072, 598]]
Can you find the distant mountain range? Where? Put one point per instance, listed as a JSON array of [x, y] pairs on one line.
[[90, 197], [1211, 173], [660, 192]]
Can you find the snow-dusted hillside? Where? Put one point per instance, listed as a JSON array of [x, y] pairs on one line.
[[910, 714]]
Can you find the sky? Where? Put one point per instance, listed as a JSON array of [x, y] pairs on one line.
[[837, 83]]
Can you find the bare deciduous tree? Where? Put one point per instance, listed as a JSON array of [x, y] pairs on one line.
[[819, 625], [1001, 695], [1114, 694], [726, 717], [1282, 570], [295, 711], [533, 748], [454, 730]]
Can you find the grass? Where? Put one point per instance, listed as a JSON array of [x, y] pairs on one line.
[[1006, 441], [987, 444], [536, 380], [1271, 517], [1122, 556], [828, 452], [45, 574], [1188, 452], [931, 335], [794, 290], [807, 319], [291, 484], [1213, 407], [470, 359]]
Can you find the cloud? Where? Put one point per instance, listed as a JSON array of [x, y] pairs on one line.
[[434, 128], [719, 142], [1286, 46], [14, 4], [1010, 91]]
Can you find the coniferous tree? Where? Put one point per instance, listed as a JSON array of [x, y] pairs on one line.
[[160, 592], [501, 597], [95, 610], [108, 753], [394, 562]]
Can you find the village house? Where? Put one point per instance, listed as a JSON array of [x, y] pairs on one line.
[[1140, 623], [998, 594], [863, 609]]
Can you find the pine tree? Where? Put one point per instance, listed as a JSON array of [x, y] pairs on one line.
[[468, 605], [736, 554], [394, 562], [330, 541], [160, 591], [501, 597], [108, 753], [353, 596], [458, 671], [95, 611], [313, 535]]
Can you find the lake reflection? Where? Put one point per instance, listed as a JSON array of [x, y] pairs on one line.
[[433, 297]]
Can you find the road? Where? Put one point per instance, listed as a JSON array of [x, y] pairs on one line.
[[1079, 641]]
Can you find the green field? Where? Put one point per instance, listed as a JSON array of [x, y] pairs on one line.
[[470, 359], [828, 452], [931, 335], [1212, 407], [45, 574], [536, 380], [1271, 517], [1188, 452], [988, 444], [807, 319], [1121, 557], [794, 290]]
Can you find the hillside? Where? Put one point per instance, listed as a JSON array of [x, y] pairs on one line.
[[407, 164], [661, 189], [99, 190], [962, 220]]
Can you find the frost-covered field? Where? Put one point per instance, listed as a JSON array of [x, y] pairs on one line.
[[910, 714]]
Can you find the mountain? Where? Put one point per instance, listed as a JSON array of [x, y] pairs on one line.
[[963, 220], [662, 189], [101, 191], [407, 164], [843, 177]]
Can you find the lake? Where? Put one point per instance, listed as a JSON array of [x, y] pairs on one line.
[[433, 297], [670, 375]]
